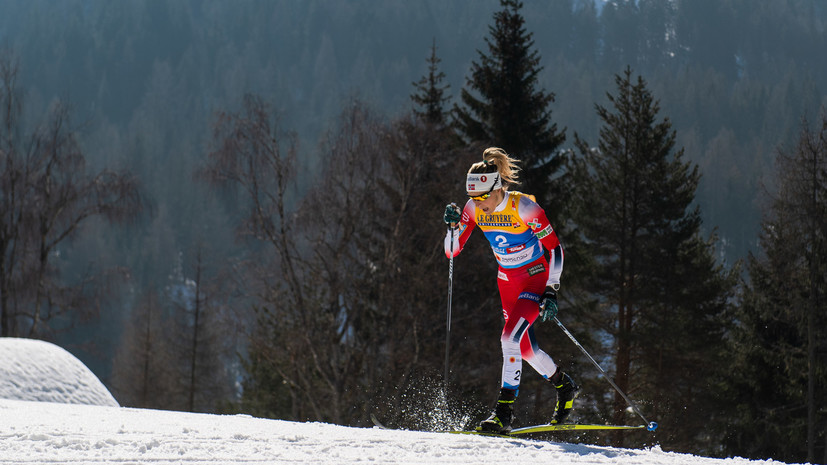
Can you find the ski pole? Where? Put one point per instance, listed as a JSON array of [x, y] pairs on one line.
[[450, 292], [651, 426]]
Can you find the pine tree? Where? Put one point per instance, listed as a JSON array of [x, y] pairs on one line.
[[430, 93], [653, 279], [779, 370], [502, 106]]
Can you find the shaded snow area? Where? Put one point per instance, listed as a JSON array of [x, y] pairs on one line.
[[49, 432], [40, 371]]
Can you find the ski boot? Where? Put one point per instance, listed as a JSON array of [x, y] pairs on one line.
[[566, 392], [500, 420]]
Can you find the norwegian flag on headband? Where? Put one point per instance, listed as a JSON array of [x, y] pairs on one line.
[[482, 182]]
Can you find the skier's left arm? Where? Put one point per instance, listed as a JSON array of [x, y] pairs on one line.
[[535, 217], [537, 220]]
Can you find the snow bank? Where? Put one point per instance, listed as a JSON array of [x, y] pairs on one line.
[[32, 370]]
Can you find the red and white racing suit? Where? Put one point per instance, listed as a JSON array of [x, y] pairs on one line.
[[518, 231]]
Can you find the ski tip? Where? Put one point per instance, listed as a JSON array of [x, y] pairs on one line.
[[652, 426], [376, 422]]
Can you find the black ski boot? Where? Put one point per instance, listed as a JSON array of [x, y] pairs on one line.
[[500, 420], [566, 392]]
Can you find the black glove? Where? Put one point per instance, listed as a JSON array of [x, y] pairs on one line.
[[548, 304], [452, 215]]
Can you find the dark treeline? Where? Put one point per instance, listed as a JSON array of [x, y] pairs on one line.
[[282, 167]]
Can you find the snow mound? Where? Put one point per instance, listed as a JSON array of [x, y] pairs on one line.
[[38, 371]]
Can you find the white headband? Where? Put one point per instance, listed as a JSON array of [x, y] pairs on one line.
[[485, 182]]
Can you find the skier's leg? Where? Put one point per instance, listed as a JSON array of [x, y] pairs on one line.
[[513, 329], [512, 335], [519, 343], [500, 419], [535, 356], [527, 307]]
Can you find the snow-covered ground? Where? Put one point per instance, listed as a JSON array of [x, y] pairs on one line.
[[78, 433]]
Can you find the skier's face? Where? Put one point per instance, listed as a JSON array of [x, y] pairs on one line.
[[487, 201]]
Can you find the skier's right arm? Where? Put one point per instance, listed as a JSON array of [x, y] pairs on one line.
[[460, 224]]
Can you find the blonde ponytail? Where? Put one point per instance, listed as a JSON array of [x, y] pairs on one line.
[[497, 160]]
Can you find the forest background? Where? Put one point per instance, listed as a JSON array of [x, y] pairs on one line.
[[179, 307]]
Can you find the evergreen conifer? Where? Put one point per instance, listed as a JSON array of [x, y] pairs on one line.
[[502, 105], [656, 287]]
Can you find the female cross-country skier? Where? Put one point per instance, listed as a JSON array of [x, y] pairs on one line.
[[528, 278]]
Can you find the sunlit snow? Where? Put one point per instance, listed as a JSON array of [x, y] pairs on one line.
[[40, 371], [69, 430]]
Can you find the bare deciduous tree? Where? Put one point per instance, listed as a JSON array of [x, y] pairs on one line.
[[346, 307], [256, 161], [45, 196], [139, 374]]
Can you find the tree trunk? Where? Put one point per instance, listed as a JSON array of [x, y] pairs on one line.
[[622, 365]]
